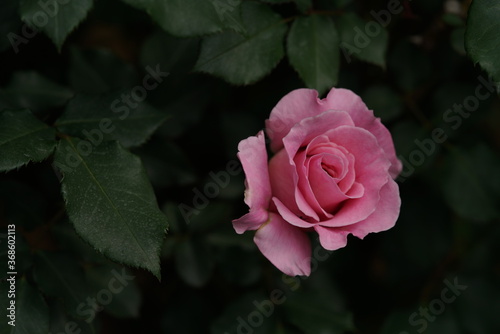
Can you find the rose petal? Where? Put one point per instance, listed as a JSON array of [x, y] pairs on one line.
[[322, 144], [363, 146], [356, 191], [331, 238], [304, 103], [304, 187], [250, 221], [290, 110], [286, 246], [383, 218], [307, 129], [331, 160], [289, 216], [253, 156], [325, 188], [344, 99], [371, 168], [303, 132], [282, 178]]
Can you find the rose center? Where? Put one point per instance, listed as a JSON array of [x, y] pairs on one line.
[[329, 170]]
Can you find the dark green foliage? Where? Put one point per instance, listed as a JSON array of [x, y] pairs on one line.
[[119, 125]]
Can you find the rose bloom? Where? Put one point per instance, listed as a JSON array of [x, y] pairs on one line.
[[332, 171]]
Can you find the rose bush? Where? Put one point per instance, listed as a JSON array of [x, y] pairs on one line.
[[332, 171]]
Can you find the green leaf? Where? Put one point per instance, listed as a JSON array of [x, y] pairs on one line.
[[31, 90], [482, 40], [23, 138], [229, 13], [312, 49], [314, 314], [194, 261], [31, 312], [56, 18], [99, 118], [244, 59], [59, 276], [111, 203], [186, 18], [472, 184], [366, 41]]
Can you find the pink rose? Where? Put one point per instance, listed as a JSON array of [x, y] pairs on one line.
[[332, 172]]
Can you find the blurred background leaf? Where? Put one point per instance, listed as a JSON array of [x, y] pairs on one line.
[[471, 184], [30, 315], [31, 90], [59, 276], [481, 38]]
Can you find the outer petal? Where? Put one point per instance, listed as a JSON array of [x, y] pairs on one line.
[[289, 216], [344, 99], [286, 246], [382, 219], [251, 221], [385, 215], [331, 238], [290, 110], [282, 177], [253, 156]]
